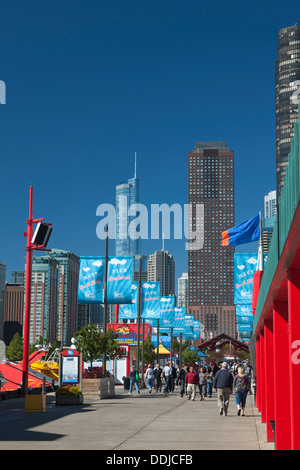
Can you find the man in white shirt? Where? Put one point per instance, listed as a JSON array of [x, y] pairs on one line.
[[167, 374]]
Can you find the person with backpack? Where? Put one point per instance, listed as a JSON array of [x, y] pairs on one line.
[[241, 387]]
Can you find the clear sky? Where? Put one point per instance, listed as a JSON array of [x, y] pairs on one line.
[[90, 82]]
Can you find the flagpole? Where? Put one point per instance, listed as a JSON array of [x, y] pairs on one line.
[[260, 262]]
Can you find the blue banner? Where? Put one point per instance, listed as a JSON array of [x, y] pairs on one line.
[[197, 330], [189, 325], [245, 265], [150, 300], [91, 276], [119, 280], [244, 327], [167, 313], [244, 310], [179, 320], [130, 311]]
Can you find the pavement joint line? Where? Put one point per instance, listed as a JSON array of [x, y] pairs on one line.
[[148, 424]]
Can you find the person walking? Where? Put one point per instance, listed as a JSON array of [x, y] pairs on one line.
[[182, 376], [223, 382], [167, 374], [202, 383], [149, 378], [157, 372], [249, 372], [133, 380], [241, 387], [191, 380], [209, 381], [177, 376]]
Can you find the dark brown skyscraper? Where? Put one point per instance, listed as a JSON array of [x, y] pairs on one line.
[[287, 74], [210, 268], [13, 311]]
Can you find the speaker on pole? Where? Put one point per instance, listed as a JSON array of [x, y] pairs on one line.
[[42, 234]]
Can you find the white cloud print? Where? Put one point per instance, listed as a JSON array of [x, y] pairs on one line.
[[117, 261], [86, 269], [151, 286], [241, 266], [252, 261], [98, 263]]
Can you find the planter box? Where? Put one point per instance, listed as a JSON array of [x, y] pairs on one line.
[[35, 403], [111, 387], [95, 388], [69, 399]]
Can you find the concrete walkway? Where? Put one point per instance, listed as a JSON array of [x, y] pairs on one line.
[[137, 422]]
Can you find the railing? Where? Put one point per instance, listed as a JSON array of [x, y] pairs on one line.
[[286, 207]]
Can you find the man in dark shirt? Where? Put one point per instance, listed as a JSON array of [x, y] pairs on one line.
[[157, 371], [223, 384]]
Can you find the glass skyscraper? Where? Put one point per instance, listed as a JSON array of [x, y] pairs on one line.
[[127, 244]]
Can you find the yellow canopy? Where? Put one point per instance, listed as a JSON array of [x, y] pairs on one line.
[[162, 350]]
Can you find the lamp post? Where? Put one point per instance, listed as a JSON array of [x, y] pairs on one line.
[[27, 303]]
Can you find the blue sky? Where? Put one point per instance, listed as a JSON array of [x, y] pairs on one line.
[[89, 83]]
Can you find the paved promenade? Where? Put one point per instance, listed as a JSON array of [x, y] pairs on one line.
[[138, 422]]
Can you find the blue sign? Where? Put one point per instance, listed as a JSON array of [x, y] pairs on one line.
[[150, 300], [245, 265], [167, 304], [179, 320], [197, 330], [91, 276], [130, 311], [189, 325], [119, 280], [244, 310]]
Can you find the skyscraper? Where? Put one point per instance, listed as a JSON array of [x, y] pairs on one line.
[[13, 311], [287, 72], [127, 194], [183, 289], [210, 268], [161, 267]]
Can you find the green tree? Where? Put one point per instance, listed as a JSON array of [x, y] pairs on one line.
[[189, 356], [92, 343], [149, 354], [14, 350]]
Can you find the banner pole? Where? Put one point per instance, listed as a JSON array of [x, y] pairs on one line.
[[180, 350], [157, 340], [139, 317], [105, 300]]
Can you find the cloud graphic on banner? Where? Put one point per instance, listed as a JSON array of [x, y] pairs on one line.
[[241, 267], [252, 260], [117, 261], [97, 263]]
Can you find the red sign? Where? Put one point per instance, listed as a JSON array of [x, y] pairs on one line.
[[127, 332]]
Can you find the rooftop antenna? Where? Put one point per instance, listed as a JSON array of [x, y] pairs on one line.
[[135, 164]]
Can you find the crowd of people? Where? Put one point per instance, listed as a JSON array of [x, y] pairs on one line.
[[225, 378]]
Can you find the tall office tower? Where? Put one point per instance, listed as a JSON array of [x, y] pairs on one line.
[[67, 298], [13, 311], [287, 72], [43, 306], [183, 290], [210, 267], [127, 194], [17, 277], [2, 290], [161, 267]]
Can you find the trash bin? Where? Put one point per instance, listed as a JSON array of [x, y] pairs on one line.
[[126, 381]]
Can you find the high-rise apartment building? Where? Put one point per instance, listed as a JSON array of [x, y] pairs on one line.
[[17, 277], [183, 290], [211, 267], [161, 267], [287, 73], [67, 297], [43, 304], [13, 311], [270, 202]]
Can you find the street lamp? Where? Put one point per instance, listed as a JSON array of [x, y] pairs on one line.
[[37, 241]]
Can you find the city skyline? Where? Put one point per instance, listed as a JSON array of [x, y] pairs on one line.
[[94, 144]]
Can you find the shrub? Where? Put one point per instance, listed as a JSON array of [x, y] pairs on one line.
[[68, 390]]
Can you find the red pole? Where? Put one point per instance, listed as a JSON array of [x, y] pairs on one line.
[[27, 296], [117, 313]]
